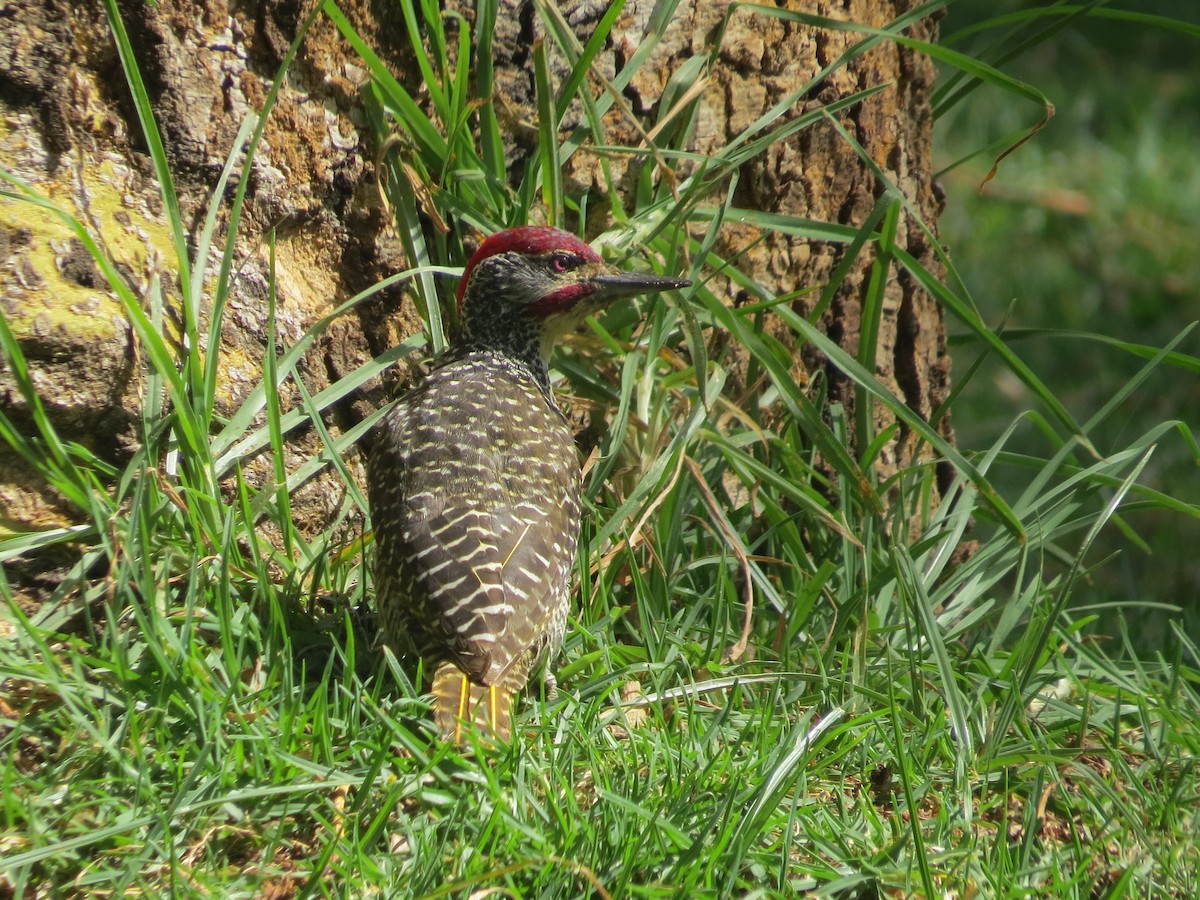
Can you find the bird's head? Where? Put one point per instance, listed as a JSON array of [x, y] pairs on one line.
[[526, 286]]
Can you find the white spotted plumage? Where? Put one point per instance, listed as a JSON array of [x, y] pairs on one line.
[[475, 506]]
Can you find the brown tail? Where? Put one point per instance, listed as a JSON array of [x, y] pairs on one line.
[[458, 703]]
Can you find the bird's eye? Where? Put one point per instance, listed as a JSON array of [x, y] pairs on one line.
[[565, 262]]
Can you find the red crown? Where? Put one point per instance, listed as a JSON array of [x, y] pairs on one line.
[[528, 239]]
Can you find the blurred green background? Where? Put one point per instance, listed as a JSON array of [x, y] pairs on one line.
[[1093, 225]]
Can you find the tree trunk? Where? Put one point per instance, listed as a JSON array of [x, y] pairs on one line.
[[69, 129]]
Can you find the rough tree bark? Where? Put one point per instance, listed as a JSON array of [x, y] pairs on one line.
[[68, 128]]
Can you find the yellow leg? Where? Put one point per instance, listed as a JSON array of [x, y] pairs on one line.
[[464, 707]]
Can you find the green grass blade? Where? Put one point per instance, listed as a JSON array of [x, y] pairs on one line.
[[162, 172], [551, 165]]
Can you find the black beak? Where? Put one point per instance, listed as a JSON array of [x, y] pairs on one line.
[[616, 284]]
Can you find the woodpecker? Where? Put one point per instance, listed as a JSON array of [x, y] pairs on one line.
[[474, 480]]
